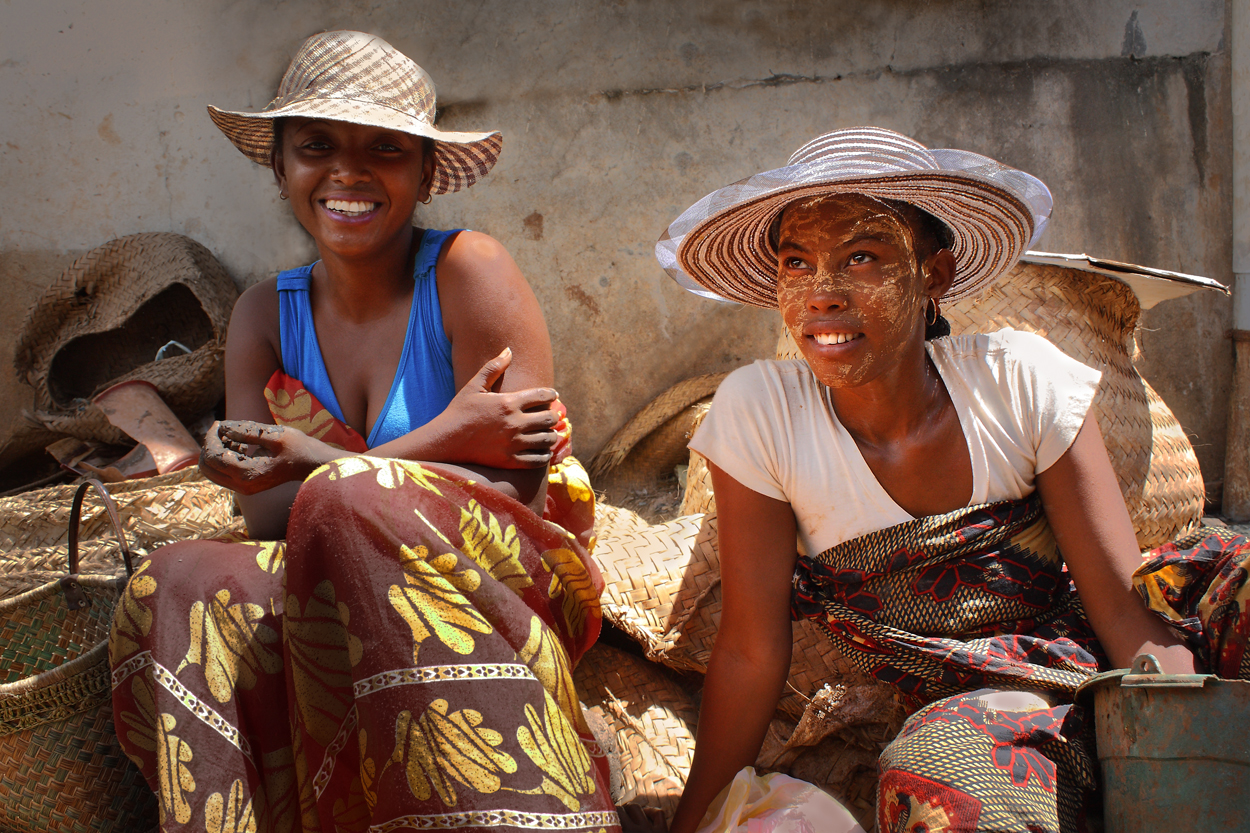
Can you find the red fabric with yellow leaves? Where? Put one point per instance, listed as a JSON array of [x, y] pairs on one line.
[[402, 661]]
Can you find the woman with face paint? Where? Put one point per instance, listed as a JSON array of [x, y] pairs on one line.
[[937, 486]]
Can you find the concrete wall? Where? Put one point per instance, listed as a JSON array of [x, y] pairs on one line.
[[617, 114]]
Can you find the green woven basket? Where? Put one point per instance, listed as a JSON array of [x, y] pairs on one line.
[[61, 767]]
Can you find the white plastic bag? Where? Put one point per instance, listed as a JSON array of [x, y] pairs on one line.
[[775, 803]]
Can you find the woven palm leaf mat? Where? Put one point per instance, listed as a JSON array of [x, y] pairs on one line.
[[662, 589], [104, 319], [652, 717], [154, 511]]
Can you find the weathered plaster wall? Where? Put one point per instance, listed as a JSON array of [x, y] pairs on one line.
[[617, 114]]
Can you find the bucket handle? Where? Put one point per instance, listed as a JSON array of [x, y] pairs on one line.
[[75, 599], [1146, 673]]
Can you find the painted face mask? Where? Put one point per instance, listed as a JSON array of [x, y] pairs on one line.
[[849, 286]]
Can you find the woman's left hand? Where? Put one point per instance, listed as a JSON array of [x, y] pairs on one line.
[[250, 457]]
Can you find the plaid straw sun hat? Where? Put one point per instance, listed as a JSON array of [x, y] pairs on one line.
[[723, 247], [362, 79]]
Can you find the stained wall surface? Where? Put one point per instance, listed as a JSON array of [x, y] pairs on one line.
[[617, 114]]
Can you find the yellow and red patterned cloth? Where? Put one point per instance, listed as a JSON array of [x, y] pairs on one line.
[[402, 661]]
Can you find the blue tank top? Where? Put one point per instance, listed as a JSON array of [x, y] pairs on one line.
[[424, 384]]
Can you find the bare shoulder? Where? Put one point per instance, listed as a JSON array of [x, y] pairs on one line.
[[477, 278], [253, 351], [473, 256], [488, 305]]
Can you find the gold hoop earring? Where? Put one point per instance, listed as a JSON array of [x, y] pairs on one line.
[[937, 312], [428, 199]]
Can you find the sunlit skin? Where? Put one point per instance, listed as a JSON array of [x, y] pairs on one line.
[[847, 266], [321, 161]]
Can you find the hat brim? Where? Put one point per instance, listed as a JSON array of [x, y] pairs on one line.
[[460, 159], [721, 246]]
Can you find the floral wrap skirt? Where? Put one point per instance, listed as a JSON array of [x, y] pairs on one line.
[[401, 662]]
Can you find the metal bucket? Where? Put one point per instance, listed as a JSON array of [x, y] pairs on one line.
[[1173, 749]]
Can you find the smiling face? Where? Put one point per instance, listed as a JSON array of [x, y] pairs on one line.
[[353, 187], [850, 287]]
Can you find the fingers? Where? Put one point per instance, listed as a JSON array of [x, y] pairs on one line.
[[532, 399], [238, 434], [535, 422], [493, 369], [222, 464]]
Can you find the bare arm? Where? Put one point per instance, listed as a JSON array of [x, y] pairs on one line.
[[1086, 511], [498, 428], [752, 652], [252, 356], [489, 309]]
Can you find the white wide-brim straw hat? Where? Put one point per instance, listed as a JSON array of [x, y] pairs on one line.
[[362, 79], [723, 246]]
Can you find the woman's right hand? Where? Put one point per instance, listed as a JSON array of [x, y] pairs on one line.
[[751, 657], [250, 457], [513, 430]]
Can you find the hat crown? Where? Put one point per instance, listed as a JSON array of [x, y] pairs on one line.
[[864, 151], [356, 66]]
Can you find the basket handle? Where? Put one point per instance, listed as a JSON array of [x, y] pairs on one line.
[[74, 597]]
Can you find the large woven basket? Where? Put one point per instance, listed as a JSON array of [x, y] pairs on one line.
[[104, 319], [653, 442], [61, 767], [1092, 317], [154, 511]]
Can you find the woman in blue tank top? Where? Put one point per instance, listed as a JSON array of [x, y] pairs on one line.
[[402, 659]]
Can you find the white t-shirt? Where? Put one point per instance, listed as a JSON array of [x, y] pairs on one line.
[[1020, 400]]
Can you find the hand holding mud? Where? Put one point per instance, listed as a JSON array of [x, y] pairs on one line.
[[250, 457]]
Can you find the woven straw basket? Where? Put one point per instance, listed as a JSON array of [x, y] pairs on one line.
[[61, 767], [154, 511], [103, 320], [654, 440]]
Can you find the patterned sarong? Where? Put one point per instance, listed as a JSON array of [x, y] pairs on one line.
[[954, 610], [942, 605], [1198, 584], [401, 662]]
